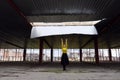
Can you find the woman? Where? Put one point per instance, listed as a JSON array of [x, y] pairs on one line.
[[64, 58]]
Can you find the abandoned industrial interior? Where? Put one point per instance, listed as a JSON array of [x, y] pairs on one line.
[[16, 20], [94, 52]]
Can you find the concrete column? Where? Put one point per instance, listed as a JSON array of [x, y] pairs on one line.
[[24, 55], [51, 54], [24, 52], [110, 54], [80, 55], [41, 51], [96, 50]]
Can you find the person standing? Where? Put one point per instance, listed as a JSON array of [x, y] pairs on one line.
[[64, 58]]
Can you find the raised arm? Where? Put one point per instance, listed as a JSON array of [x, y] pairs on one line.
[[61, 42], [66, 42]]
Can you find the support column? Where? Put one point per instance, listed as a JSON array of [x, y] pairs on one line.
[[41, 51], [24, 52], [110, 54], [96, 49], [24, 55], [51, 54], [80, 55]]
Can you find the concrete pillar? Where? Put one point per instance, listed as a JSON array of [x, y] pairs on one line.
[[96, 50], [24, 55], [24, 51], [110, 54], [51, 54], [80, 55], [41, 51]]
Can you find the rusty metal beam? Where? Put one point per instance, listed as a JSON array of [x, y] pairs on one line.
[[110, 54], [96, 50], [114, 20], [87, 42], [80, 55], [16, 8], [24, 52], [103, 30], [118, 46], [41, 51], [10, 43], [80, 49], [47, 42], [51, 54]]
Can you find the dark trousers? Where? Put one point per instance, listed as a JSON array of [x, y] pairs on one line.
[[64, 60], [64, 67]]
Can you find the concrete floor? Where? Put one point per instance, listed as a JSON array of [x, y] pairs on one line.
[[53, 71]]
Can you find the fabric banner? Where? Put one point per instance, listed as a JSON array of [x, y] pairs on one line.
[[41, 31]]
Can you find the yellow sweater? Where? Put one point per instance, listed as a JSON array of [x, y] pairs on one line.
[[64, 46], [64, 49]]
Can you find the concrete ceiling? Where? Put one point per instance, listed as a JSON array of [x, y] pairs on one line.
[[68, 10]]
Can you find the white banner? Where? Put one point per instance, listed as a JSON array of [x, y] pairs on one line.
[[41, 31]]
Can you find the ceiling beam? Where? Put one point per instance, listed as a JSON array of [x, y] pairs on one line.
[[106, 28], [10, 43], [87, 42], [114, 20], [47, 43], [16, 8]]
